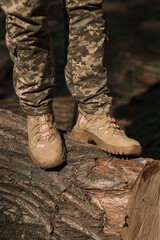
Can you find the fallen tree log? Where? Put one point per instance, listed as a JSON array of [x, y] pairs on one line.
[[85, 199], [143, 210]]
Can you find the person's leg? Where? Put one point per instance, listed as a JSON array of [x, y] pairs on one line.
[[86, 77], [87, 80], [28, 41]]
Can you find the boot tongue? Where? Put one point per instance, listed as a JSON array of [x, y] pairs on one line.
[[116, 127], [44, 128], [42, 119], [112, 122]]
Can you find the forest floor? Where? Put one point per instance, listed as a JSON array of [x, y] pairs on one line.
[[132, 59]]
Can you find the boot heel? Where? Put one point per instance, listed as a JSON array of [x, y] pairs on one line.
[[79, 135]]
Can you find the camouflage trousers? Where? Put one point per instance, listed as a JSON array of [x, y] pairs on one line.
[[28, 41]]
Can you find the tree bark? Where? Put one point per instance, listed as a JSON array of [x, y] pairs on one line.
[[85, 199]]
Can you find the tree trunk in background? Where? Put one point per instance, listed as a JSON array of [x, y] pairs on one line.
[[83, 200]]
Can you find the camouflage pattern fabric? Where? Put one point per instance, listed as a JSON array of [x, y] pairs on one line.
[[85, 74], [30, 48], [29, 44]]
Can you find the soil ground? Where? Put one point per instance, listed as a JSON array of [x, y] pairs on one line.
[[132, 59]]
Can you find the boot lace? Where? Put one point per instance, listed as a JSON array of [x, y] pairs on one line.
[[109, 124], [44, 129]]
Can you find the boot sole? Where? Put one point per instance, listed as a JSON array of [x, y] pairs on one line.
[[87, 137]]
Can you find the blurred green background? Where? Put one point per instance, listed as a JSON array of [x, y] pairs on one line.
[[132, 58]]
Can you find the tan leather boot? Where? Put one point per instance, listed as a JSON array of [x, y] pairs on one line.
[[45, 144], [103, 131]]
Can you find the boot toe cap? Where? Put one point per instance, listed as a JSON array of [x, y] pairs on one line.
[[48, 157]]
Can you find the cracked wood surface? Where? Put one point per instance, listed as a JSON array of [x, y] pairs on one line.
[[85, 199]]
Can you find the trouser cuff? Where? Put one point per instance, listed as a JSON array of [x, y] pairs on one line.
[[37, 111]]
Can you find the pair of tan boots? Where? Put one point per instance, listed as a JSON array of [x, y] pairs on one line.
[[47, 149]]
